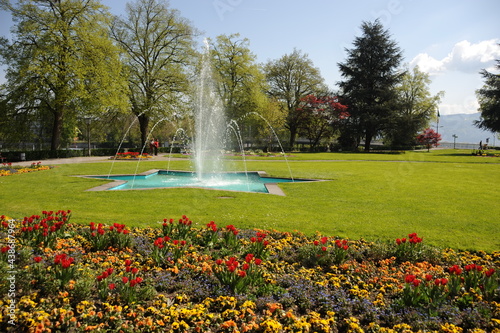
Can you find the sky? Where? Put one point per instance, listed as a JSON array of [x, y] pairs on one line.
[[452, 40]]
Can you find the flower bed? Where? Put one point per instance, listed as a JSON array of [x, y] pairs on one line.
[[181, 278], [130, 156], [7, 169], [482, 152]]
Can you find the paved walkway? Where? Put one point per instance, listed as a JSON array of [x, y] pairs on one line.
[[84, 159]]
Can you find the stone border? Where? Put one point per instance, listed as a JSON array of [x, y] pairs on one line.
[[272, 188], [115, 182]]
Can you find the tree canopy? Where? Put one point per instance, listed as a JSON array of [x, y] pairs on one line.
[[62, 65], [159, 47], [414, 108], [291, 78], [241, 83], [319, 117], [70, 60]]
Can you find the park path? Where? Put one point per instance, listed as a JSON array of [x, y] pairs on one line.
[[82, 159]]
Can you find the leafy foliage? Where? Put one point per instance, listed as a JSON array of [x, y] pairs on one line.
[[291, 78], [320, 117], [62, 65], [415, 108]]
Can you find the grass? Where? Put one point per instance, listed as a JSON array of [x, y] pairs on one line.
[[447, 196]]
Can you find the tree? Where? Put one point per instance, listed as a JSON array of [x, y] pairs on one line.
[[240, 81], [319, 117], [415, 108], [429, 138], [291, 78], [489, 101], [370, 75], [159, 47], [62, 65], [272, 127]]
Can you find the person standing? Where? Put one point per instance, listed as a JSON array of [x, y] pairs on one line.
[[152, 146], [156, 146]]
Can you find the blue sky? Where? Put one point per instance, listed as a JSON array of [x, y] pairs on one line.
[[451, 40]]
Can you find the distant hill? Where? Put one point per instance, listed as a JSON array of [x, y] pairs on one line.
[[462, 125]]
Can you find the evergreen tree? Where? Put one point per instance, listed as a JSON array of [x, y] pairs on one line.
[[370, 75], [489, 101]]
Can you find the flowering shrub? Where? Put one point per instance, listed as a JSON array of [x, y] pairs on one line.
[[208, 287], [429, 138]]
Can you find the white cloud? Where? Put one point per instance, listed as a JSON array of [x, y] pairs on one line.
[[464, 57], [428, 64], [469, 105]]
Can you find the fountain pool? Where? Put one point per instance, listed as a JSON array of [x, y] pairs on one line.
[[209, 141], [232, 181]]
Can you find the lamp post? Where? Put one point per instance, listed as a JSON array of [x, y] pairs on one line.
[[437, 122], [454, 140]]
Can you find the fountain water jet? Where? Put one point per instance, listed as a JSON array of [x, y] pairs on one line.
[[121, 143], [210, 122], [172, 146]]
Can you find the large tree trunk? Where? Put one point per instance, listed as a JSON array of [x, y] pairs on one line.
[[368, 141], [144, 126], [293, 135], [55, 142]]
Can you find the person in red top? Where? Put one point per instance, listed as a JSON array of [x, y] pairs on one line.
[[156, 145]]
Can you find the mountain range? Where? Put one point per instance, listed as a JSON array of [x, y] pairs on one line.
[[462, 125]]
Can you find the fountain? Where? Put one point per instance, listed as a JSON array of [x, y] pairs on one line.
[[208, 146], [210, 123]]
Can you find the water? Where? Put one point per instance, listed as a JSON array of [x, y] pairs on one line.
[[238, 181], [208, 143], [210, 122]]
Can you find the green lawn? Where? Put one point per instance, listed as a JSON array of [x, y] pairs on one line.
[[447, 196]]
